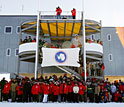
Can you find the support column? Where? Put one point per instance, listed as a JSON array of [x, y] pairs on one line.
[[37, 46], [84, 50]]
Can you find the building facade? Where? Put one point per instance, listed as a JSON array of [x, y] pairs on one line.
[[10, 37]]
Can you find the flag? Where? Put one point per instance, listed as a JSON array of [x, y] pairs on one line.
[[60, 57]]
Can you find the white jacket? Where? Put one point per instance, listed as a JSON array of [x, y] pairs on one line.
[[75, 89], [113, 88]]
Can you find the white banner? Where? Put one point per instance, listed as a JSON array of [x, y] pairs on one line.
[[60, 57]]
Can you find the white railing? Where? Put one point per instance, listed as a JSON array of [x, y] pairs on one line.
[[27, 47], [64, 13], [94, 47]]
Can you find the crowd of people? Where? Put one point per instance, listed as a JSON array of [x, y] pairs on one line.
[[61, 89], [88, 40]]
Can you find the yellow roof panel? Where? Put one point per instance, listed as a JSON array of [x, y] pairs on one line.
[[53, 29], [77, 28], [45, 28], [68, 29], [61, 29]]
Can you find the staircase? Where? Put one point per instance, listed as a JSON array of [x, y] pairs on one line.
[[70, 71]]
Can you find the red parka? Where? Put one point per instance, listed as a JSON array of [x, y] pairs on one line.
[[6, 88], [35, 89], [117, 95], [51, 88], [59, 11], [70, 88], [63, 88], [73, 12], [19, 90], [82, 88], [121, 88], [46, 89], [56, 90]]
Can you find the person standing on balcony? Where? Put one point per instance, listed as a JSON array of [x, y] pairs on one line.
[[59, 11], [73, 13]]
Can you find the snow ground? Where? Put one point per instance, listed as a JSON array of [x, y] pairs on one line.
[[6, 104]]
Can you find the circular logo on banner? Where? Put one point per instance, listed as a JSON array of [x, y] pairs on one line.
[[60, 57]]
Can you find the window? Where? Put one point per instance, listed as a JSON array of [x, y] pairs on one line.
[[16, 52], [109, 37], [92, 37], [8, 30], [110, 57], [8, 52], [18, 29]]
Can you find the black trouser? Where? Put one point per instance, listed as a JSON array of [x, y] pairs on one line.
[[55, 98], [74, 17], [35, 97], [70, 97], [5, 97], [97, 99], [76, 97], [51, 97], [91, 97], [19, 98], [64, 97]]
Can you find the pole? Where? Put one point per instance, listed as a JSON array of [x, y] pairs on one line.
[[84, 50], [83, 34], [37, 47]]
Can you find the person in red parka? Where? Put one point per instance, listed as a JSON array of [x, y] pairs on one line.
[[19, 90], [51, 91], [58, 12], [46, 89], [73, 13], [70, 92], [65, 91], [40, 96], [82, 88], [117, 96], [56, 91], [6, 91], [121, 87], [35, 92]]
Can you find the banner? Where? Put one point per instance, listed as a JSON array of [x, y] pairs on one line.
[[60, 57]]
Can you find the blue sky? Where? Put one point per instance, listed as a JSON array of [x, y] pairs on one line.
[[109, 11]]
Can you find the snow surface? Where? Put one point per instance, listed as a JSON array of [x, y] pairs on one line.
[[6, 104]]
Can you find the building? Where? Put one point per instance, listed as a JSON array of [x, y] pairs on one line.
[[9, 43]]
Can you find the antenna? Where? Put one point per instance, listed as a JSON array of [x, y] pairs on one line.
[[0, 8], [22, 8]]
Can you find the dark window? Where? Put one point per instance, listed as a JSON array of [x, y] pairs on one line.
[[16, 52], [92, 37], [8, 53], [8, 29], [18, 29], [109, 37], [110, 57]]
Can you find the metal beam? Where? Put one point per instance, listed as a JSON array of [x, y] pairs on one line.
[[27, 28], [73, 28], [57, 29], [92, 27], [64, 28], [49, 28], [41, 28]]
